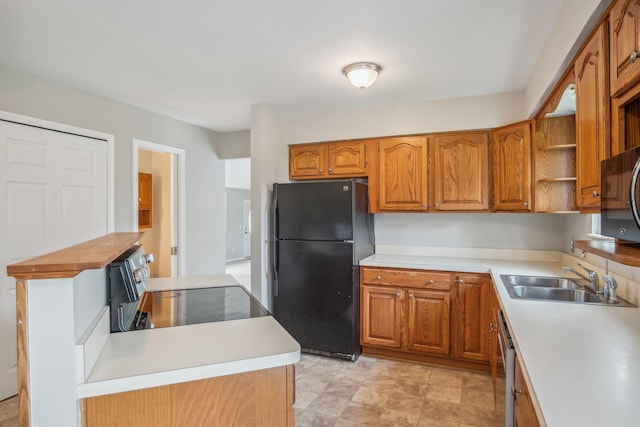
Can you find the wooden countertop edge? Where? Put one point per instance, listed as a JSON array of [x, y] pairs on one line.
[[69, 262], [627, 253]]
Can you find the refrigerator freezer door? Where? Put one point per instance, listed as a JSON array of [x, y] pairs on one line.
[[315, 302], [314, 211]]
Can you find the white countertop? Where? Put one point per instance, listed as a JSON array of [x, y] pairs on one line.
[[582, 361], [155, 357]]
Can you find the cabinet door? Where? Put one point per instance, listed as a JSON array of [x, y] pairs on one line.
[[524, 412], [145, 200], [381, 316], [460, 171], [624, 20], [473, 317], [428, 325], [145, 190], [511, 162], [403, 174], [307, 161], [347, 159], [592, 119]]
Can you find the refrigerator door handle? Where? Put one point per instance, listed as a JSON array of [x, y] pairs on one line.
[[274, 244]]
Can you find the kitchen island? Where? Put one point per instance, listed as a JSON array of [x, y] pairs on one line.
[[581, 362], [74, 372]]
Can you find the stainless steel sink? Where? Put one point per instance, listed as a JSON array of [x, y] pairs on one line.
[[556, 294], [546, 282], [554, 289]]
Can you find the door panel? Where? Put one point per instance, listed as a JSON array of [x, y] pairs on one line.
[[315, 295], [53, 194]]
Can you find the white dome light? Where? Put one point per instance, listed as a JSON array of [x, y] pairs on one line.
[[362, 74]]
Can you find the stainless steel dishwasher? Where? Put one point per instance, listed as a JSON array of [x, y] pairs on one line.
[[509, 357]]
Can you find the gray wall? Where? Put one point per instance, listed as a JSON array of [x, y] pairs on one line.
[[235, 221], [27, 95], [234, 145]]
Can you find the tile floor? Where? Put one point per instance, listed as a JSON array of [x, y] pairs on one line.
[[240, 270], [379, 392], [9, 412]]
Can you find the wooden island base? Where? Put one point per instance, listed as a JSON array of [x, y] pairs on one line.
[[258, 398]]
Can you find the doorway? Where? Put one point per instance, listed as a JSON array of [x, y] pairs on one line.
[[238, 219], [159, 172]]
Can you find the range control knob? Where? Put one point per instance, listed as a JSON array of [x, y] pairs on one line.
[[148, 258]]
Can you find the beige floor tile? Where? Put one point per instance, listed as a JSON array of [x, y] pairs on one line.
[[311, 384], [392, 417], [10, 422], [350, 376], [361, 413], [478, 397], [444, 393], [404, 402], [446, 377], [312, 419], [370, 396], [440, 410], [328, 405], [412, 387], [303, 399], [479, 417], [345, 423], [8, 408], [426, 421], [337, 388]]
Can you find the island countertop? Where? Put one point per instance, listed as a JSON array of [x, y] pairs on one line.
[[582, 361], [154, 357]]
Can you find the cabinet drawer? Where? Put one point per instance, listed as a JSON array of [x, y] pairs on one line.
[[407, 278]]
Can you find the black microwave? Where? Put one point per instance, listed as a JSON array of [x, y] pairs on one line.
[[620, 202]]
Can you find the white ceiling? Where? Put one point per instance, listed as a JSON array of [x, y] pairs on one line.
[[206, 61]]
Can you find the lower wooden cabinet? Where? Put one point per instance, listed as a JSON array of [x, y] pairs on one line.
[[523, 411], [472, 335], [422, 315], [258, 398]]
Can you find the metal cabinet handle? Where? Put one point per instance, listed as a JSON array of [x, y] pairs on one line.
[[378, 278], [515, 390], [461, 282], [320, 170], [595, 194], [398, 293], [431, 282], [410, 295], [437, 205], [633, 56], [330, 169], [525, 204]]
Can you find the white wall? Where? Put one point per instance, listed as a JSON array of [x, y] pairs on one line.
[[32, 96], [574, 23], [233, 145], [238, 173], [268, 132], [466, 230]]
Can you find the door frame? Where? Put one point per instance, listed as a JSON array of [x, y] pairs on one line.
[[83, 132], [178, 181]]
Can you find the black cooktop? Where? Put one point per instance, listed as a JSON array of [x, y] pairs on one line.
[[161, 309]]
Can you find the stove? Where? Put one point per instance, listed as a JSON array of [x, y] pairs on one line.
[[161, 309], [134, 308], [127, 278]]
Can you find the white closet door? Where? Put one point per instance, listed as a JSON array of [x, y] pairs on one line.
[[53, 194]]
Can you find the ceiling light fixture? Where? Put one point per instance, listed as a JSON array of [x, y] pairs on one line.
[[362, 74]]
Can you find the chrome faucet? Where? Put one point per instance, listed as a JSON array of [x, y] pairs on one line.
[[592, 277], [610, 286]]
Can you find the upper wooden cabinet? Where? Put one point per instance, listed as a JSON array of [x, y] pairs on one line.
[[145, 200], [592, 118], [402, 174], [460, 171], [511, 162], [624, 20], [328, 160]]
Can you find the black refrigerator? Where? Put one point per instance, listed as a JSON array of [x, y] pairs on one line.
[[321, 230]]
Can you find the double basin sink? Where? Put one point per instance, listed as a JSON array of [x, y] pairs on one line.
[[554, 289]]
